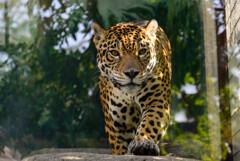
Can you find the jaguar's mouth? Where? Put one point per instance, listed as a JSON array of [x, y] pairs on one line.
[[130, 84], [130, 87]]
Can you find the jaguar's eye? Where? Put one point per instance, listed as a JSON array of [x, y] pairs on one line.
[[114, 53], [142, 52]]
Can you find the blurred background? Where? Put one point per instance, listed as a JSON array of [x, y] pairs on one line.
[[49, 95]]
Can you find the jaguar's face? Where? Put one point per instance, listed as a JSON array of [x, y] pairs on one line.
[[126, 54]]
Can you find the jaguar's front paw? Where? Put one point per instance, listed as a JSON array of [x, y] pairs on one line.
[[143, 147]]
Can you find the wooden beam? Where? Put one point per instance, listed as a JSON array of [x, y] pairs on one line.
[[212, 89]]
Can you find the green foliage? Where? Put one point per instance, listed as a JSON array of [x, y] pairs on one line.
[[47, 93]]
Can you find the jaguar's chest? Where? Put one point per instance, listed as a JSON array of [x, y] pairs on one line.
[[123, 109]]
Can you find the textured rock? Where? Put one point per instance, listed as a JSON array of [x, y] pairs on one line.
[[187, 148], [78, 156]]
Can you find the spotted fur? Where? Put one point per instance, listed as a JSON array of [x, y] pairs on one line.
[[135, 85]]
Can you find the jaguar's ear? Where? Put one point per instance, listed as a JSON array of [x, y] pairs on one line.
[[98, 33], [152, 26]]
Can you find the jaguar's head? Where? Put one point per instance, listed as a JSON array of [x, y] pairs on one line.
[[126, 53]]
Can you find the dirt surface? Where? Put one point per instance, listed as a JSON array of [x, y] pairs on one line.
[[78, 156]]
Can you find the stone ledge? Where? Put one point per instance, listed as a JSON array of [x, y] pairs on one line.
[[75, 156]]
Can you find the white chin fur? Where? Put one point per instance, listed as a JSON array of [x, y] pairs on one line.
[[130, 89]]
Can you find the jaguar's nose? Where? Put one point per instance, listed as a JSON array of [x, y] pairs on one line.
[[131, 73]]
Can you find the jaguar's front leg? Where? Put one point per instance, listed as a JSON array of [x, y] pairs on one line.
[[154, 123], [119, 132], [118, 139]]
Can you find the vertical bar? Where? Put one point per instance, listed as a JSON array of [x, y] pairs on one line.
[[6, 19], [222, 59], [212, 78]]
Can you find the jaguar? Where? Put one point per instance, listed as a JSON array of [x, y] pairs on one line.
[[134, 59]]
